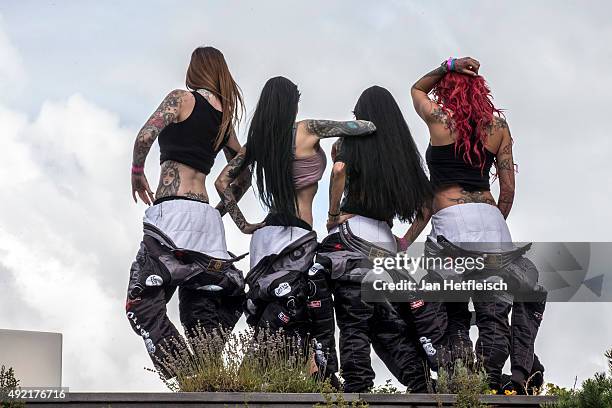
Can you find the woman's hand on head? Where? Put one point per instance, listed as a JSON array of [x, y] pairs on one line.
[[140, 185], [467, 66]]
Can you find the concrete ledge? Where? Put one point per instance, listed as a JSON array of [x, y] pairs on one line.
[[256, 400]]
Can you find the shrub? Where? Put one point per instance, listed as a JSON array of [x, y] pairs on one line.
[[595, 392], [242, 362], [8, 383], [466, 379]]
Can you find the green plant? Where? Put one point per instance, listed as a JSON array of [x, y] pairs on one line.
[[8, 383], [241, 362], [466, 379], [595, 392], [387, 388], [335, 399]]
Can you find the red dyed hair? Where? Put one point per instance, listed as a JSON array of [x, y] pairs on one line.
[[467, 100]]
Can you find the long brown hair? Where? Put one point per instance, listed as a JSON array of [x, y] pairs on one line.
[[208, 70]]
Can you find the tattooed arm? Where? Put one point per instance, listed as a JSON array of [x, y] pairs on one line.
[[223, 185], [504, 163], [424, 106], [330, 128], [243, 181], [166, 113]]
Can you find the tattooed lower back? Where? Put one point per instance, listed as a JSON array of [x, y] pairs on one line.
[[472, 197], [171, 180]]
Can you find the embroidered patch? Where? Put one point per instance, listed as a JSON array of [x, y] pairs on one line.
[[283, 317], [282, 289], [154, 280], [416, 304], [314, 304], [314, 269]]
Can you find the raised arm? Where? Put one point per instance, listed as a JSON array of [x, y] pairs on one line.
[[165, 114], [504, 162], [223, 184], [331, 128], [427, 109]]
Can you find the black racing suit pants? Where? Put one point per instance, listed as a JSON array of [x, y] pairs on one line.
[[338, 270], [146, 305]]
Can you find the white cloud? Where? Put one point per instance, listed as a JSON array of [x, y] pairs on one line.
[[12, 76], [69, 230]]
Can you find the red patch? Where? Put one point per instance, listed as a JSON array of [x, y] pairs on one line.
[[314, 304], [130, 302], [283, 317], [416, 304], [338, 247]]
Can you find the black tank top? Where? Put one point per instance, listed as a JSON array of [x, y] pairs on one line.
[[191, 142], [447, 168]]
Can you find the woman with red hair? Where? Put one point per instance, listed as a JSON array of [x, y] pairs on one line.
[[468, 135]]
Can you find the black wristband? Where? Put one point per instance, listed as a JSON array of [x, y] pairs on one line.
[[332, 215]]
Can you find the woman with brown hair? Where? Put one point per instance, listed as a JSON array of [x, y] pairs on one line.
[[184, 239]]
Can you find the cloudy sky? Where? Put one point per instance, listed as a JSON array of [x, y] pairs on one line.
[[78, 79]]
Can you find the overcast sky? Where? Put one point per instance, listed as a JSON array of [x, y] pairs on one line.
[[79, 78]]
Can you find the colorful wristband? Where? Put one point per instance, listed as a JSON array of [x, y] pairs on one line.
[[449, 64], [137, 169]]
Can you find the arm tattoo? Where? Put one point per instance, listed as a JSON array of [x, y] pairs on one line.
[[506, 150], [472, 197], [238, 187], [430, 79], [229, 153], [227, 177], [164, 115], [505, 165], [169, 181], [438, 115], [331, 128]]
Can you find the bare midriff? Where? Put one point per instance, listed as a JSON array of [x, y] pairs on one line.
[[448, 196], [305, 197], [179, 180]]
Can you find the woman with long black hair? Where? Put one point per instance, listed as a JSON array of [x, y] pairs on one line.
[[287, 162], [382, 178], [184, 239], [468, 135]]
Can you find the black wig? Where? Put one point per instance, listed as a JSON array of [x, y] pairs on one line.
[[269, 148], [385, 170]]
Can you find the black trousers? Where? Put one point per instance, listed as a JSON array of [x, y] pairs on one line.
[[526, 319], [362, 324], [146, 310]]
